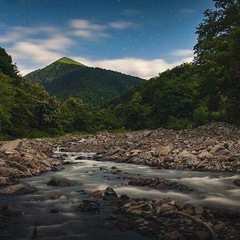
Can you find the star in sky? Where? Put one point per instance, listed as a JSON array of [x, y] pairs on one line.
[[140, 38]]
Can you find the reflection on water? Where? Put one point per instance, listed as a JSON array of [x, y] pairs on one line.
[[216, 190]]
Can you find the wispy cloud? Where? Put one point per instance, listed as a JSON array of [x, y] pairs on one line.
[[87, 25], [37, 53], [134, 66], [87, 29], [143, 68], [33, 48], [182, 53], [122, 25], [92, 31]]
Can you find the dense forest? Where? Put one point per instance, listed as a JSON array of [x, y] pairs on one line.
[[67, 78], [189, 95]]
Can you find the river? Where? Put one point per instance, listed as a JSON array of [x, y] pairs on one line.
[[214, 189]]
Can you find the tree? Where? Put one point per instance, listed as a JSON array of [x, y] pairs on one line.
[[7, 95], [6, 65], [218, 55]]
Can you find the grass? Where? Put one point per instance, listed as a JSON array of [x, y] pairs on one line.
[[70, 61]]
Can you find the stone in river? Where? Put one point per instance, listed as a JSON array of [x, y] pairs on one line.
[[89, 206], [19, 189], [63, 182], [97, 194], [110, 192], [237, 182], [174, 235]]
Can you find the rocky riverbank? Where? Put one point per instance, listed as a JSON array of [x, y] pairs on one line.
[[25, 158], [213, 147]]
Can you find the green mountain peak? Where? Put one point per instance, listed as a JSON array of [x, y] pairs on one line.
[[67, 60]]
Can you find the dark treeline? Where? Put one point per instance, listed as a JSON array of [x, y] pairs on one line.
[[27, 109], [189, 95]]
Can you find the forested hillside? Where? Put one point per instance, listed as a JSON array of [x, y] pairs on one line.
[[27, 109], [189, 95], [67, 78], [206, 90]]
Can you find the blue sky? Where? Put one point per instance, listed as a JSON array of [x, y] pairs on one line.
[[137, 37]]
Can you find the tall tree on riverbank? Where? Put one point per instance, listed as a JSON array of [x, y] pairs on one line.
[[218, 55]]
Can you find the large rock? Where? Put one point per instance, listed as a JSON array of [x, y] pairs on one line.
[[63, 182], [19, 189], [164, 151], [110, 194], [237, 182], [186, 155], [10, 146], [30, 159]]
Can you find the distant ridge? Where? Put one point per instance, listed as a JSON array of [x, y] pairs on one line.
[[66, 78]]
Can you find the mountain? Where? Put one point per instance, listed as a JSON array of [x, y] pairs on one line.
[[68, 78]]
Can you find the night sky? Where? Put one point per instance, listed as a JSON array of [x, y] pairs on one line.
[[137, 37]]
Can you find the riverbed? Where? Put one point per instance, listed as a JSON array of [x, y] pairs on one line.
[[55, 211]]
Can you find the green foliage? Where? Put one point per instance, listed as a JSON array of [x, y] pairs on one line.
[[218, 56], [7, 95], [6, 65], [70, 61], [66, 78], [169, 100], [186, 96]]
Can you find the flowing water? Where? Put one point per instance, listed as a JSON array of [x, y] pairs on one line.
[[216, 189]]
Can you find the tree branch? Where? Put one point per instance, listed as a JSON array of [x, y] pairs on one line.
[[183, 214]]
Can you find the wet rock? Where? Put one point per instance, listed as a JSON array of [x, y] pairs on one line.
[[198, 210], [165, 207], [110, 192], [63, 182], [124, 197], [8, 216], [18, 189], [89, 206], [54, 210], [57, 168], [202, 235], [174, 235], [4, 180], [97, 194], [236, 182], [180, 204]]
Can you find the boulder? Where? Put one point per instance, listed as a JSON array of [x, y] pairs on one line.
[[110, 194], [186, 155], [19, 189], [174, 235], [236, 182], [89, 206], [63, 182], [30, 159], [205, 154], [165, 150], [3, 180], [97, 194], [10, 147]]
